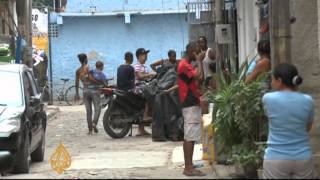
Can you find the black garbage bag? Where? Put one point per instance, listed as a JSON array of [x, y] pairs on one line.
[[167, 116], [167, 121], [165, 79]]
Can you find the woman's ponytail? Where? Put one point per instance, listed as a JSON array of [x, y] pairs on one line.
[[297, 80]]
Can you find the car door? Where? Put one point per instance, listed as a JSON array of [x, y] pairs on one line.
[[37, 107]]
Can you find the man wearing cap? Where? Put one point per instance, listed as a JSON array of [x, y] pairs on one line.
[[140, 68], [142, 74]]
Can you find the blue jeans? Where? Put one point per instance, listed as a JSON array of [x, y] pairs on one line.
[[92, 97]]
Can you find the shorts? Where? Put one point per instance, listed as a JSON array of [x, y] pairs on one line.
[[289, 169], [192, 123]]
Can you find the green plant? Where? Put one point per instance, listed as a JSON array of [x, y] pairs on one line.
[[226, 130], [237, 109], [244, 155], [233, 75], [249, 154], [249, 109]]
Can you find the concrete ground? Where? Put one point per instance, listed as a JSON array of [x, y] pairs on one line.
[[99, 156]]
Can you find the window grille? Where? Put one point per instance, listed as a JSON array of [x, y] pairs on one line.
[[200, 12]]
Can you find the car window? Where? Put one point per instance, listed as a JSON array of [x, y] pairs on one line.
[[35, 90], [28, 92], [11, 89]]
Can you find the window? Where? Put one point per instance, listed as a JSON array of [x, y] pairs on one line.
[[28, 92], [34, 87], [11, 89]]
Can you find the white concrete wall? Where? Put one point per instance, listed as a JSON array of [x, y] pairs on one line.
[[248, 28]]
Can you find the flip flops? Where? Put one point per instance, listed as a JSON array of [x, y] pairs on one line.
[[194, 172], [145, 134]]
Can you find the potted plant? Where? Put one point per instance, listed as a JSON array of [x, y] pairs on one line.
[[248, 159], [237, 113], [245, 159], [226, 131]]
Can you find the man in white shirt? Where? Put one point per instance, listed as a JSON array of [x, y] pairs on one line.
[[209, 60]]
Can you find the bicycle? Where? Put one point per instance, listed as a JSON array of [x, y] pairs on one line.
[[65, 93]]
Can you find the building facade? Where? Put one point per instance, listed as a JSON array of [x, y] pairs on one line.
[[293, 41], [105, 30], [248, 28], [305, 54], [293, 27]]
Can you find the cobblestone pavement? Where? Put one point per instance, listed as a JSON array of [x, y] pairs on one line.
[[99, 156]]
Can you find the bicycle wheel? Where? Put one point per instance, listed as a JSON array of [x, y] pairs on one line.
[[70, 96]]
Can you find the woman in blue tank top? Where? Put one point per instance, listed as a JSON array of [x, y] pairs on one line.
[[290, 116]]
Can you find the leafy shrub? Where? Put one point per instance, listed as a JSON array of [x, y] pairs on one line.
[[237, 112]]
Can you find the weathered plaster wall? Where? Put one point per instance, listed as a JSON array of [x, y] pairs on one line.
[[305, 54], [110, 37]]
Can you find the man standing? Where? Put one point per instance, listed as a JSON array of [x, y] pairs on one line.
[[142, 74], [208, 61], [188, 80]]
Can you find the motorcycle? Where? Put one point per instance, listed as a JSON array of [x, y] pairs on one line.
[[124, 110]]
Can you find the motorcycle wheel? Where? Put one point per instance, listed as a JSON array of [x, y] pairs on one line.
[[115, 132]]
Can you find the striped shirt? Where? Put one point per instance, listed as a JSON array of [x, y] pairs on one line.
[[140, 68]]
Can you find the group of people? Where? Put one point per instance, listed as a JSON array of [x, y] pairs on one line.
[[290, 113], [193, 70], [129, 78]]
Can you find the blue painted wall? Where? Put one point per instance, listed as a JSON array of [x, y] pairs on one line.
[[111, 38], [119, 5]]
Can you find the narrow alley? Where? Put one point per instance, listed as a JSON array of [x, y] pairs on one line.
[[160, 89], [99, 156]]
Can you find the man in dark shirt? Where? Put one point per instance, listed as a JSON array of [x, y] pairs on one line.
[[188, 82], [125, 75]]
